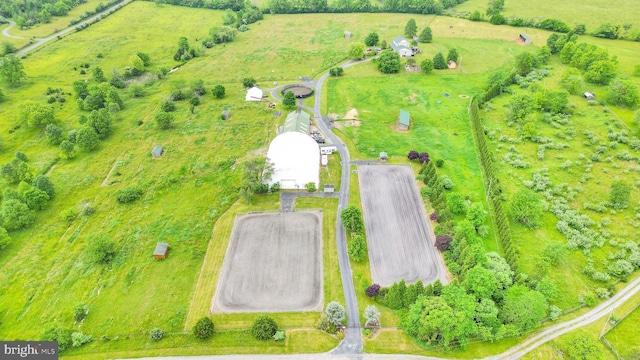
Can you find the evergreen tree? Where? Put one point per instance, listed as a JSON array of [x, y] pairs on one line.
[[426, 36], [439, 62], [411, 29]]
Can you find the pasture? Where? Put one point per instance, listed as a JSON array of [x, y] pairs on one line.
[[592, 13], [399, 237], [273, 264]]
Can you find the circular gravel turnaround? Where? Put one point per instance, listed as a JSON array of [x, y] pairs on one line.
[[398, 233], [273, 263]]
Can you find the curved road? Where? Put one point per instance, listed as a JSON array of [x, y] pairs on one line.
[[42, 41]]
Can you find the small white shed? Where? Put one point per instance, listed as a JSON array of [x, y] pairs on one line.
[[254, 94]]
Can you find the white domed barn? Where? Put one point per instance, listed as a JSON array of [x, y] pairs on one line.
[[296, 160]]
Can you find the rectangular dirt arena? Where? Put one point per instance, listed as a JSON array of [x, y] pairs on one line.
[[399, 236], [273, 264]]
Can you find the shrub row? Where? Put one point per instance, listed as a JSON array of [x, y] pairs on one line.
[[492, 184]]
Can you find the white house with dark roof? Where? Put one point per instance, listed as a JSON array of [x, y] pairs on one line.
[[402, 46]]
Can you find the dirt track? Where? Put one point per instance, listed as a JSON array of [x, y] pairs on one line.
[[273, 263], [398, 234]]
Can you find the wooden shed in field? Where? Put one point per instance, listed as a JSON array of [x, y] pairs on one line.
[[157, 151], [161, 251]]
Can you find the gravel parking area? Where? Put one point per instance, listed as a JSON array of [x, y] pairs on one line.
[[273, 263], [398, 234]]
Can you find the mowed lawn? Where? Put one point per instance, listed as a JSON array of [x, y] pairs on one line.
[[593, 13]]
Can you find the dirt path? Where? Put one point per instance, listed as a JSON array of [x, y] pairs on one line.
[[105, 182]]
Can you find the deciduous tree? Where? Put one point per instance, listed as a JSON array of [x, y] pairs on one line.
[[11, 70], [289, 99], [527, 207], [426, 65], [87, 139], [16, 214], [371, 39], [218, 91], [411, 29], [356, 51], [389, 62], [351, 218]]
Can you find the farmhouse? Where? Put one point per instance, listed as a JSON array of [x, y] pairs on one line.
[[157, 151], [297, 121], [161, 251], [254, 94], [404, 120], [401, 46], [296, 160]]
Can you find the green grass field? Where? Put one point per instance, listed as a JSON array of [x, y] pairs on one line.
[[593, 13]]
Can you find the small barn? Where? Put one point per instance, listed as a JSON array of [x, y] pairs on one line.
[[383, 157], [226, 114], [329, 188], [525, 39], [157, 151], [588, 96], [161, 250], [404, 120], [347, 34], [254, 94]]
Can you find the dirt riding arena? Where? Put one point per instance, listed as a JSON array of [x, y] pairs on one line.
[[273, 264], [398, 233]]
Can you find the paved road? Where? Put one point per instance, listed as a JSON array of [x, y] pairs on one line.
[[322, 356], [42, 41], [553, 332], [5, 31]]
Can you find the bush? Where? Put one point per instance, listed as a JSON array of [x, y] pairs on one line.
[[78, 339], [168, 106], [439, 163], [447, 184], [101, 251], [164, 120], [203, 329], [279, 335], [79, 312], [357, 248], [129, 195], [443, 242], [372, 291], [335, 313], [156, 334], [59, 334], [310, 186], [264, 328]]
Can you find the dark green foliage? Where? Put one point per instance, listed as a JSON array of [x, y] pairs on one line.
[[338, 71], [128, 195], [619, 195], [411, 29], [79, 312], [218, 91], [35, 198], [54, 134], [552, 101], [439, 61], [156, 334], [197, 87], [554, 25], [395, 296], [203, 329], [456, 203], [498, 19], [11, 70], [527, 207], [607, 31], [5, 239], [357, 248], [371, 39], [222, 34], [310, 186], [475, 16], [452, 55], [520, 106], [101, 251], [87, 138], [184, 52], [439, 163], [146, 59], [389, 62], [580, 29], [37, 114], [59, 334], [67, 149], [426, 65], [249, 82], [524, 308], [98, 75], [289, 99], [352, 219], [168, 106], [264, 328], [583, 346], [15, 214], [426, 36], [164, 120], [623, 92], [100, 121], [525, 63]]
